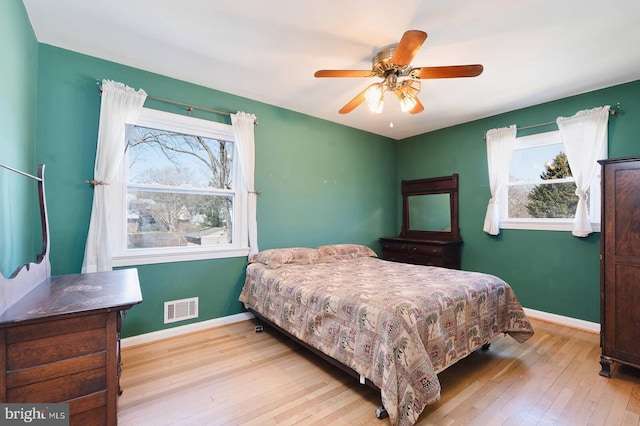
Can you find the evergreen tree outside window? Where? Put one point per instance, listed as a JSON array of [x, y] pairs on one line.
[[555, 200], [541, 189]]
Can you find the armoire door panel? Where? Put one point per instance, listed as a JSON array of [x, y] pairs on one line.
[[624, 298], [627, 212]]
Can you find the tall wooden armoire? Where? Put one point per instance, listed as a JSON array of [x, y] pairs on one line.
[[620, 264]]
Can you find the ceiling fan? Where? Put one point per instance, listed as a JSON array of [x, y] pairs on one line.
[[393, 65]]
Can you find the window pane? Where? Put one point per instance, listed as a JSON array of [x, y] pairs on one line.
[[529, 164], [170, 219], [541, 189], [169, 158], [549, 200]]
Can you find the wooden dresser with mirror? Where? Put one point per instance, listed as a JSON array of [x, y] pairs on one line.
[[60, 335], [430, 234]]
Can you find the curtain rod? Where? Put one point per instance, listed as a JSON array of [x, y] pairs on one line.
[[613, 111], [20, 172], [190, 107]]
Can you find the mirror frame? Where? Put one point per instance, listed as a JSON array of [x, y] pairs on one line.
[[436, 185]]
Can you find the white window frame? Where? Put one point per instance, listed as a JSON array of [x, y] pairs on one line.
[[123, 256], [545, 224]]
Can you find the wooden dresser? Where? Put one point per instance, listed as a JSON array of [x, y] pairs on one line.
[[430, 234], [422, 252], [620, 264], [60, 343]]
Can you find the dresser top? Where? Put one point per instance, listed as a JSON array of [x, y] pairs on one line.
[[76, 293], [425, 241]]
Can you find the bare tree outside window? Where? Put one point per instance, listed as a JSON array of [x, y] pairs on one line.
[[180, 189]]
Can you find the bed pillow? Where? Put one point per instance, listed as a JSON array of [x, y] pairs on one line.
[[277, 258], [347, 251]]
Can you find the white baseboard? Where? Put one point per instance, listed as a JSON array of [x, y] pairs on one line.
[[183, 329], [593, 327], [216, 322]]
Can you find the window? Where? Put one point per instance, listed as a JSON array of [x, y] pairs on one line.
[[177, 200], [540, 193]]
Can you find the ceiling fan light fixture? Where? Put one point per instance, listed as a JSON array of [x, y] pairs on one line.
[[374, 96], [407, 103], [407, 93], [412, 87]]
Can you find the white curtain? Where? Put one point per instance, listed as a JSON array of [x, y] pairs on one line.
[[500, 144], [120, 104], [585, 137], [243, 126]]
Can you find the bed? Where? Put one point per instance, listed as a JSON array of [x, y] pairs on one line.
[[396, 325]]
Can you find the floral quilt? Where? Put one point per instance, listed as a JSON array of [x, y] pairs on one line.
[[396, 324]]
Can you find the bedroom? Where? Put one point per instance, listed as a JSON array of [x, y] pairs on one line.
[[49, 114]]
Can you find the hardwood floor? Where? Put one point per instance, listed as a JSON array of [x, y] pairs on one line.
[[231, 375]]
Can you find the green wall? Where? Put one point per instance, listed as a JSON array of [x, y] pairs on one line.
[[321, 182], [551, 271], [18, 64]]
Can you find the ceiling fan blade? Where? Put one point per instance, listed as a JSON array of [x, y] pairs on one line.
[[452, 71], [418, 108], [408, 47], [344, 73], [353, 103]]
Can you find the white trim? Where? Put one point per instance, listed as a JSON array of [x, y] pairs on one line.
[[593, 327], [538, 139], [157, 119], [149, 257], [142, 339], [543, 224]]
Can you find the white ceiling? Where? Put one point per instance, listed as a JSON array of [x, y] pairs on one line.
[[533, 51]]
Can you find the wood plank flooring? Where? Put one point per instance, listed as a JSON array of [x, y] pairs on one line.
[[231, 375]]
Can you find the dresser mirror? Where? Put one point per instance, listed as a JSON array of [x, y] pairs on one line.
[[430, 212], [25, 278], [430, 208]]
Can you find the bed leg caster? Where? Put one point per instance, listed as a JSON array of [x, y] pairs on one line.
[[486, 346], [259, 328], [381, 413]]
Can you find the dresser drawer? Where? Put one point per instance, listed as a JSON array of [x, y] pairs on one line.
[[32, 345], [418, 249], [42, 372], [425, 250], [61, 389], [412, 258], [430, 253]]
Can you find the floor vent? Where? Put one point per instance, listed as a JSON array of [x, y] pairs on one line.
[[179, 310]]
